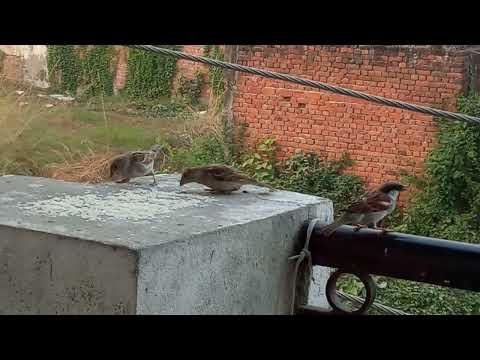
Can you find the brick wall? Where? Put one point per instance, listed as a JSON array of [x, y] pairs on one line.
[[26, 64], [381, 140], [12, 68], [120, 74], [189, 69], [185, 68]]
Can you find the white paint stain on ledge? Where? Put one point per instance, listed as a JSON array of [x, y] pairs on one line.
[[127, 205]]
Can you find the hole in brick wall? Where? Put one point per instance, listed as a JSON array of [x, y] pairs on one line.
[[301, 105], [286, 98]]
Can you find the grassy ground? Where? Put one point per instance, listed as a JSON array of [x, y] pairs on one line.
[[37, 138]]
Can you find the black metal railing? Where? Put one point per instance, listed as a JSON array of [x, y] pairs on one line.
[[402, 256]]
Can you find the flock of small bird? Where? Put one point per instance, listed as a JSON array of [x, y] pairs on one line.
[[371, 209]]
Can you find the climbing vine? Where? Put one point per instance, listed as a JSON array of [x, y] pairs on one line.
[[150, 75], [215, 74], [96, 77], [63, 68], [191, 89], [2, 56], [81, 70]]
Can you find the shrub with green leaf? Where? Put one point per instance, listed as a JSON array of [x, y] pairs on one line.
[[261, 162], [191, 89], [311, 174], [306, 173], [424, 299], [448, 205]]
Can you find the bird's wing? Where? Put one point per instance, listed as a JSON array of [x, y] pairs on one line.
[[225, 173], [373, 202], [142, 156]]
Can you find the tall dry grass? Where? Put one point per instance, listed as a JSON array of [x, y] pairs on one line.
[[72, 143], [16, 115]]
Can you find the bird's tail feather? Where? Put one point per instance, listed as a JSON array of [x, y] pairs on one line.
[[258, 183]]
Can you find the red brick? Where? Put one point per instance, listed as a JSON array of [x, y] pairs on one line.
[[334, 124]]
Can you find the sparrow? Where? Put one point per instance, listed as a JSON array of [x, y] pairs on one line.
[[134, 164], [219, 178], [373, 207]]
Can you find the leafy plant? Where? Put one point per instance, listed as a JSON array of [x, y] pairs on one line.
[[63, 68], [448, 205], [215, 75], [260, 163], [150, 75], [310, 174], [2, 57], [424, 299], [172, 109], [80, 70], [191, 89], [96, 77]]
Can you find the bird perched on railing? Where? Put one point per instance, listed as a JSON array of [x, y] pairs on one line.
[[371, 209], [135, 164], [219, 178]]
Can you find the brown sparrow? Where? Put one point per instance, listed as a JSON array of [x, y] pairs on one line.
[[219, 178], [134, 164], [371, 209]]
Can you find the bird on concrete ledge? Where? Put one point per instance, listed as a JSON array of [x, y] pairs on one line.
[[135, 164], [371, 209], [219, 178]]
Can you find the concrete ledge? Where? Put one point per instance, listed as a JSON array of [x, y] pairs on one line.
[[68, 248]]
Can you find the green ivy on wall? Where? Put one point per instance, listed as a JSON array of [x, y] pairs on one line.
[[63, 68], [150, 75], [97, 78], [215, 74], [2, 57], [81, 70], [191, 89]]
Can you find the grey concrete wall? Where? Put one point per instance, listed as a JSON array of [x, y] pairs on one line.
[[48, 274], [136, 249], [242, 269]]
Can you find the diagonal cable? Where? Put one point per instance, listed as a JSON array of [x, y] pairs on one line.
[[312, 83]]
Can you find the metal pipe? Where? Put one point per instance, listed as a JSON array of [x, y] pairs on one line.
[[440, 262]]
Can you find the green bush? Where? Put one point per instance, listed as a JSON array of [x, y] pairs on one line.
[[203, 150], [423, 299], [191, 89], [310, 174], [306, 173], [448, 205], [261, 163]]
